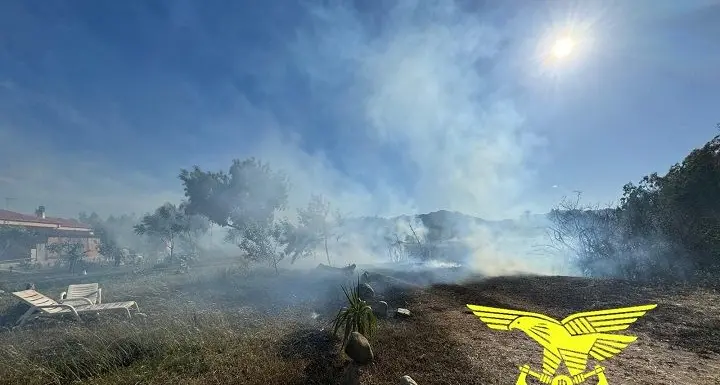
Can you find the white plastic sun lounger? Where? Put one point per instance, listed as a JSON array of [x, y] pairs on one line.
[[41, 305], [82, 294]]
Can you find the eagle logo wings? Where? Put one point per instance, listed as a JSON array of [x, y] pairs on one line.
[[571, 341]]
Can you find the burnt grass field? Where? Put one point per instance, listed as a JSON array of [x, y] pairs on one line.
[[235, 327]]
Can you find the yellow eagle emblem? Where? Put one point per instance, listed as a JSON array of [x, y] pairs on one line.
[[570, 341]]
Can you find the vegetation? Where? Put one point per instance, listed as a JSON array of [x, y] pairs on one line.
[[665, 227], [170, 225], [236, 327], [246, 200], [16, 241], [358, 316], [248, 329], [318, 225], [117, 236], [69, 252]]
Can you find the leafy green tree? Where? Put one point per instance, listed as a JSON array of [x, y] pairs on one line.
[[664, 227], [197, 227], [70, 252], [250, 193], [266, 243], [246, 200], [166, 224], [17, 241]]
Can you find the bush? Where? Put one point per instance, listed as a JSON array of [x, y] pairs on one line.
[[358, 316]]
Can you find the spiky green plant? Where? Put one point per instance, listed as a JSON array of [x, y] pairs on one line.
[[357, 316]]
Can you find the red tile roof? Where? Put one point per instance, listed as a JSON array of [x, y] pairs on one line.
[[6, 215]]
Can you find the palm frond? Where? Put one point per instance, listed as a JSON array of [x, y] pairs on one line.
[[357, 316]]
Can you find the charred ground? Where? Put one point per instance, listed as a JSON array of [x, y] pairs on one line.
[[222, 328]]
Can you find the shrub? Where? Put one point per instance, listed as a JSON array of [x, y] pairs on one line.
[[357, 316]]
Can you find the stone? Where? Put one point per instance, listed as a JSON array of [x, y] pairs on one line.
[[402, 312], [358, 349], [381, 309], [407, 380], [366, 292]]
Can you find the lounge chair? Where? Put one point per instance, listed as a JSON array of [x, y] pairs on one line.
[[82, 294], [41, 305]]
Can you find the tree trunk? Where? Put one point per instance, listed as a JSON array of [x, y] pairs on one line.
[[325, 241], [327, 253], [172, 247]]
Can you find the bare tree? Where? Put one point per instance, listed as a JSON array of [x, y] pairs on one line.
[[396, 248], [591, 237], [318, 224]]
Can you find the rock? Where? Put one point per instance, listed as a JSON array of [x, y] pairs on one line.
[[407, 380], [366, 292], [381, 309], [358, 349], [402, 312]]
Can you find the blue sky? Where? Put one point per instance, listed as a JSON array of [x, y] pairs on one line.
[[408, 106]]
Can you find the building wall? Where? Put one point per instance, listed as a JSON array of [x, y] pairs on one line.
[[91, 245]]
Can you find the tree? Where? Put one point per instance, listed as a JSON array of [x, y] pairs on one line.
[[17, 241], [71, 252], [245, 200], [416, 246], [197, 227], [109, 246], [681, 210], [664, 227], [270, 244], [403, 242], [251, 193], [588, 236], [317, 225], [167, 224], [396, 248]]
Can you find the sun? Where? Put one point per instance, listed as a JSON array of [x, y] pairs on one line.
[[563, 47]]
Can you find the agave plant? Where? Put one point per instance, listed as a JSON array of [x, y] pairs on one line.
[[356, 317]]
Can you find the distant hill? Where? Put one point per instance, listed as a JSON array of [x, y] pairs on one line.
[[444, 225], [451, 235]]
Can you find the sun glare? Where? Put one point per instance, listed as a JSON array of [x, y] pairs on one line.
[[563, 47]]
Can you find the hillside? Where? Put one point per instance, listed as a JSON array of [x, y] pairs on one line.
[[452, 236], [444, 224]]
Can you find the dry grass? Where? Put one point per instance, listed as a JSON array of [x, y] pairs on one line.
[[234, 329]]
